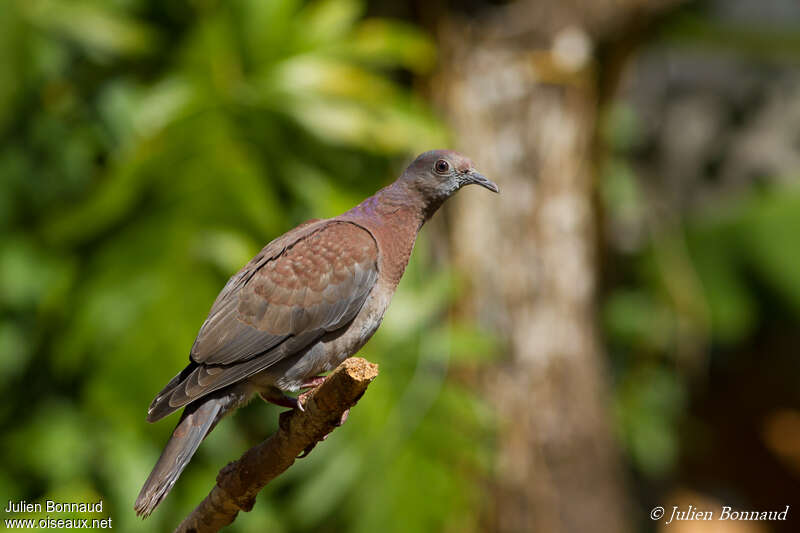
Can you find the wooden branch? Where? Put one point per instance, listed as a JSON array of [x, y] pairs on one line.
[[240, 481]]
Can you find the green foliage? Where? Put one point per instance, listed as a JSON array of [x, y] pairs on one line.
[[734, 253], [648, 404], [149, 150], [691, 287]]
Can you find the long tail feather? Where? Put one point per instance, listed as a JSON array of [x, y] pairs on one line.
[[195, 423]]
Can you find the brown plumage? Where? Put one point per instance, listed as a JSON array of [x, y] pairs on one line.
[[307, 301]]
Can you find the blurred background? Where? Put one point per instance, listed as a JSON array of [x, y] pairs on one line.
[[619, 329]]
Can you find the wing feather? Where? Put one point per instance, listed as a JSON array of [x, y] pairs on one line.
[[311, 281], [309, 285]]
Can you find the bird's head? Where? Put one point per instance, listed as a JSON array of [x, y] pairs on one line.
[[437, 174]]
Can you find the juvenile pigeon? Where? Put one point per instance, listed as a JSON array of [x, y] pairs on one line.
[[310, 299]]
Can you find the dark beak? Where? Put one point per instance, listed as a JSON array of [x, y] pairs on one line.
[[479, 179]]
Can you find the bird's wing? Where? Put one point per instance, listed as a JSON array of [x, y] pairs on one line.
[[313, 281]]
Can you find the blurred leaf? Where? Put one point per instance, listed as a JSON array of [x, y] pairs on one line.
[[620, 191], [635, 319], [716, 258], [620, 127], [648, 406], [323, 21], [268, 28], [390, 43], [30, 277], [15, 348], [90, 24], [769, 231], [756, 41]]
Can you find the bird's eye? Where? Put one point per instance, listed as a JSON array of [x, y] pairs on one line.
[[441, 166]]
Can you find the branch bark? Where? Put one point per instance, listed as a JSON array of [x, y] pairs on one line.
[[240, 481]]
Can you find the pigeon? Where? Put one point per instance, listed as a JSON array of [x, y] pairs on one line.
[[310, 299]]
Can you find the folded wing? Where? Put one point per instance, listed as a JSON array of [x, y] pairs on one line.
[[310, 281]]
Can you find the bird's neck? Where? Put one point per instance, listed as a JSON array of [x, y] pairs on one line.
[[395, 205], [394, 216]]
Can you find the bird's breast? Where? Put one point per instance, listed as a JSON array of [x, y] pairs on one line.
[[362, 327], [334, 347]]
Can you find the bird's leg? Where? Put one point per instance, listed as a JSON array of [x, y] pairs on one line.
[[314, 382], [276, 397], [282, 400]]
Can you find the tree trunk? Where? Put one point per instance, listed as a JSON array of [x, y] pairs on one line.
[[520, 91]]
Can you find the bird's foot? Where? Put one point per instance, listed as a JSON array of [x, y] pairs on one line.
[[302, 398], [283, 400], [311, 385], [341, 420]]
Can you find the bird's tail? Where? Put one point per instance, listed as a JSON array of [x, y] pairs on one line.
[[198, 419]]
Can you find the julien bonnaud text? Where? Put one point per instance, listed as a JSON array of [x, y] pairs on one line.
[[727, 513]]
